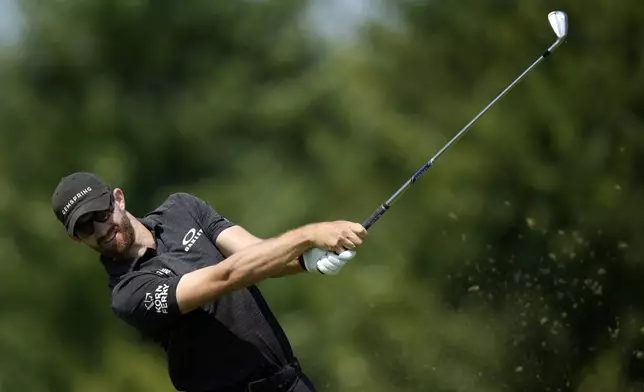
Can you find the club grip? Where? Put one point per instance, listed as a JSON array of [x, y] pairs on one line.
[[375, 216]]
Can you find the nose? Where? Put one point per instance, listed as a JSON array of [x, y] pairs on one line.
[[100, 229]]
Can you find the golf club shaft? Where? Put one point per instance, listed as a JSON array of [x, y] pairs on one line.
[[380, 211]]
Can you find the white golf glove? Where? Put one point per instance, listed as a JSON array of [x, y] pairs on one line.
[[326, 262]]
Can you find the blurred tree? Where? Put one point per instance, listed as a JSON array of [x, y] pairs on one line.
[[543, 195]]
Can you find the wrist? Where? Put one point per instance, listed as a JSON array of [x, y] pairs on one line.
[[306, 237]]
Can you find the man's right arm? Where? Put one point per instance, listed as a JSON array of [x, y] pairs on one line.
[[152, 299]]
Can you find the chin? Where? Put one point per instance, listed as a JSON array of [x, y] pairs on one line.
[[119, 246]]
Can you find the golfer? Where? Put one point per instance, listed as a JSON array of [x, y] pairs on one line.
[[184, 276]]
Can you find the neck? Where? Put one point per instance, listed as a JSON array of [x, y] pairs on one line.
[[143, 238]]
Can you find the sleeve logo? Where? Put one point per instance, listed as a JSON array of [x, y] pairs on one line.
[[163, 272], [148, 301], [158, 300]]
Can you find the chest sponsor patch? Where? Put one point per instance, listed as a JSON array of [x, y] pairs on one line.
[[190, 238]]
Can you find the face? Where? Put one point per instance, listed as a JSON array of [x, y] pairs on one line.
[[109, 232]]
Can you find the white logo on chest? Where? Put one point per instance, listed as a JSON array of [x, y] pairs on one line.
[[190, 238]]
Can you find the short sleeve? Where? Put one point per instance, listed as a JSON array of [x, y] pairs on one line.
[[146, 300], [212, 221]]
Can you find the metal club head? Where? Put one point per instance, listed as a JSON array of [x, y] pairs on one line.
[[559, 22]]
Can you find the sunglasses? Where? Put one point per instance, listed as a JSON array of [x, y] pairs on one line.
[[85, 224]]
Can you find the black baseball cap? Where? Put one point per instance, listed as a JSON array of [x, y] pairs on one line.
[[78, 194]]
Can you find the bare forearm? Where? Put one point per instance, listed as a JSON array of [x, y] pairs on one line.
[[267, 258], [293, 267], [237, 238]]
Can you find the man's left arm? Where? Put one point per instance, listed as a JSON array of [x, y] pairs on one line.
[[230, 238], [235, 238]]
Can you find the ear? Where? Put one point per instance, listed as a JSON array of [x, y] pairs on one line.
[[119, 198]]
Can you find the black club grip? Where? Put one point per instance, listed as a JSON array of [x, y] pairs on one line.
[[375, 216]]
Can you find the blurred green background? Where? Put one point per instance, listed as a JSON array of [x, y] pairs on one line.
[[514, 264]]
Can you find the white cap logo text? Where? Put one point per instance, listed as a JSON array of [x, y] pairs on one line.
[[76, 198]]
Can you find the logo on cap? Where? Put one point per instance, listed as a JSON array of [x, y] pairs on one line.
[[73, 200]]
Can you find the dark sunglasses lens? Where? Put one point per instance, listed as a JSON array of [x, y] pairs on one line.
[[102, 216], [85, 229]]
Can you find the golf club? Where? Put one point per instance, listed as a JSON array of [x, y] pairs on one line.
[[559, 23]]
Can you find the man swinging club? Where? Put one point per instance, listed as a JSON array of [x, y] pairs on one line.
[[184, 276]]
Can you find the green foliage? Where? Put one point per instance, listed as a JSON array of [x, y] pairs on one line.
[[511, 265]]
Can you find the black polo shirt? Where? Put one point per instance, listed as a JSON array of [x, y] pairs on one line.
[[231, 340]]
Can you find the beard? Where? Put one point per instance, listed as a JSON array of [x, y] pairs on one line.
[[123, 238]]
